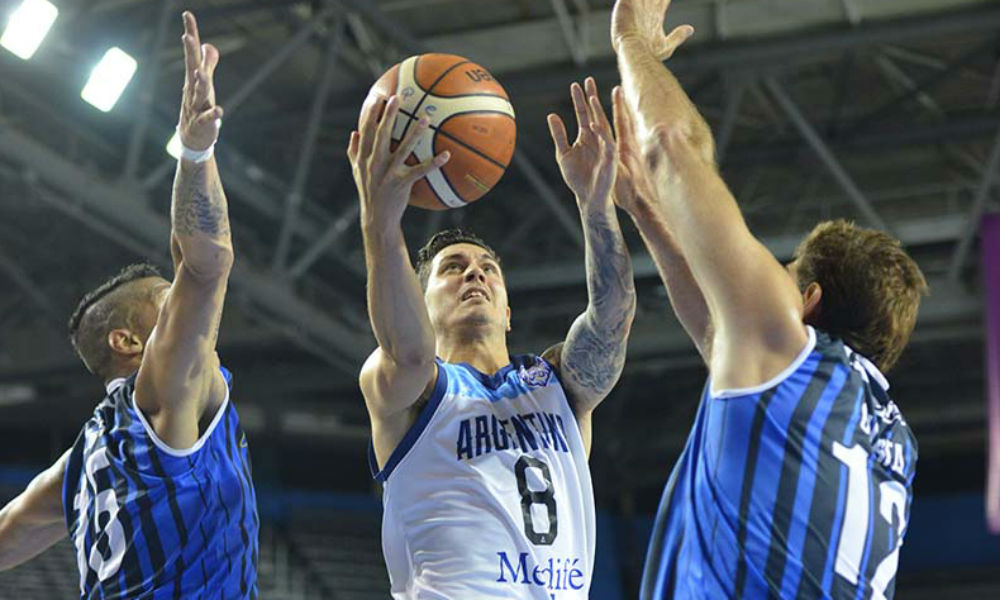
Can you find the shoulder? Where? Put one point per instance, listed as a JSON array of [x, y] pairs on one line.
[[553, 355]]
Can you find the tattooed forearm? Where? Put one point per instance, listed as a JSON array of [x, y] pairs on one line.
[[594, 353], [199, 204]]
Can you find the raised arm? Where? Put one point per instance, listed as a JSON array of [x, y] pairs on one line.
[[633, 193], [755, 307], [398, 372], [591, 359], [33, 521], [179, 379]]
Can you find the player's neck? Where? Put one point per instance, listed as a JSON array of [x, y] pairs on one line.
[[487, 354]]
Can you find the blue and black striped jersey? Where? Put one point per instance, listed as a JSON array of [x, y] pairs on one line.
[[151, 522], [798, 488]]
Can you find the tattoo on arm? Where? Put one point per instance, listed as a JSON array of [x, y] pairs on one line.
[[199, 202], [594, 353]]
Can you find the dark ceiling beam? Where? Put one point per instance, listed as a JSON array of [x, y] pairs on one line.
[[990, 173], [956, 129], [127, 208], [556, 275], [776, 52], [825, 155]]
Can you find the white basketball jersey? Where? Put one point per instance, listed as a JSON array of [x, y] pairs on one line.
[[489, 494]]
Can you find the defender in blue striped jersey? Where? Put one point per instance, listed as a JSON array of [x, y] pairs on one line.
[[156, 492], [796, 479]]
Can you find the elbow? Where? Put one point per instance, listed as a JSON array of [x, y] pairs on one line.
[[613, 323], [414, 358], [409, 354], [210, 263], [630, 308], [628, 315], [670, 144]]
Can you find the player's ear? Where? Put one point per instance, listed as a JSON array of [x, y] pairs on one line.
[[125, 342], [508, 320], [811, 302]]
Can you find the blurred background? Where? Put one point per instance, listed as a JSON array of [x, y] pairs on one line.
[[882, 111]]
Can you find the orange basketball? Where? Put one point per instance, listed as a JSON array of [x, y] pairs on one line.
[[470, 116]]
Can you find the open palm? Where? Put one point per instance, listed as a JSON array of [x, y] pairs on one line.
[[588, 165], [642, 20], [633, 190]]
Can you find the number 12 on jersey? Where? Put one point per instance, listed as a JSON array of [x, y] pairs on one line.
[[530, 498], [854, 530]]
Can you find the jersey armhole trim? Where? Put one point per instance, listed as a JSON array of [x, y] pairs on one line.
[[566, 395], [415, 431], [774, 381], [182, 452]]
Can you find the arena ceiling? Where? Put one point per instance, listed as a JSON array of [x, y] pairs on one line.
[[877, 110]]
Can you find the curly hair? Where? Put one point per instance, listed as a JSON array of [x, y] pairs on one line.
[[871, 288], [107, 307]]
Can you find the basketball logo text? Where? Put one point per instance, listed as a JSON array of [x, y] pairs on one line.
[[478, 75]]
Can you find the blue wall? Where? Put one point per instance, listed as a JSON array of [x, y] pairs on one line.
[[948, 531]]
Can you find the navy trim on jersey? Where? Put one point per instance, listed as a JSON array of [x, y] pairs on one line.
[[411, 437], [558, 376], [497, 379], [73, 465]]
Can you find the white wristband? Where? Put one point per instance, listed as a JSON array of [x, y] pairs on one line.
[[197, 156]]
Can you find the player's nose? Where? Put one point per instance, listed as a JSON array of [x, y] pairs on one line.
[[474, 272]]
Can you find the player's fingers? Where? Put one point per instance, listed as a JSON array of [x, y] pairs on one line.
[[352, 146], [674, 39], [617, 114], [580, 107], [606, 144], [383, 135], [558, 131], [192, 58], [211, 115], [191, 26], [420, 171], [623, 119], [596, 115], [600, 124], [368, 122], [210, 56], [410, 142], [200, 89], [191, 31]]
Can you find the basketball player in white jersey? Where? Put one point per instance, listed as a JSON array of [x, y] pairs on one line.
[[483, 456]]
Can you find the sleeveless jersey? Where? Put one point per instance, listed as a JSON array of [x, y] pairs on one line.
[[488, 495], [148, 521], [798, 488]]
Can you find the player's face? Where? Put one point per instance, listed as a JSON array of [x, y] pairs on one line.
[[466, 287]]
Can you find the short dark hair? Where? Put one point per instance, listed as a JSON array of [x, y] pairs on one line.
[[100, 311], [440, 241], [871, 288]]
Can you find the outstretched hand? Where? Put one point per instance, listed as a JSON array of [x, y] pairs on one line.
[[633, 190], [198, 125], [642, 21], [588, 165], [383, 178]]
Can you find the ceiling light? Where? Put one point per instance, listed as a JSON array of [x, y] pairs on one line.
[[28, 26], [109, 79]]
